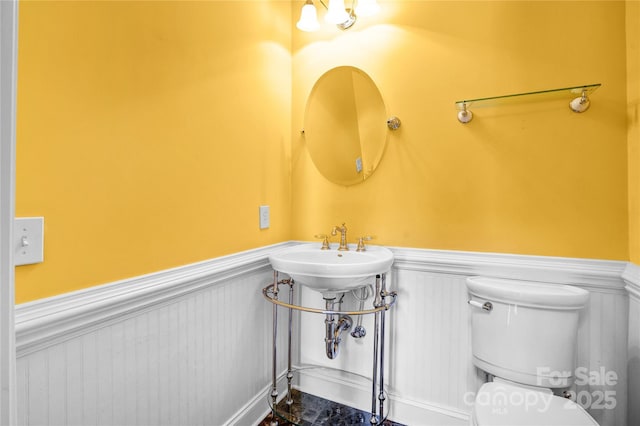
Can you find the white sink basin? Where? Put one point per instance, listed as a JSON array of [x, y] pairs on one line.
[[332, 271]]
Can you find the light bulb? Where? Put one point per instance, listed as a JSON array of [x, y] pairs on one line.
[[336, 13], [308, 18]]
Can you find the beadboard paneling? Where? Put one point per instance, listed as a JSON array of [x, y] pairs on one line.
[[193, 345], [44, 322], [433, 320], [429, 359], [602, 343], [632, 278], [196, 358]]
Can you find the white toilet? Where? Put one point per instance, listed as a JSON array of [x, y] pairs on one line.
[[524, 336]]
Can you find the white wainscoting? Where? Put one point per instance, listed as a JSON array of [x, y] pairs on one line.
[[632, 278], [190, 346], [430, 375], [193, 345]]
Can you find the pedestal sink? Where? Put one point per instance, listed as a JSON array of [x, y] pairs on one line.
[[331, 271]]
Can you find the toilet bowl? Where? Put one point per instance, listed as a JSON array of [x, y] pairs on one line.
[[524, 337], [503, 404]]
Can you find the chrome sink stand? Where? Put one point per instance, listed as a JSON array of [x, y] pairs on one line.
[[383, 301]]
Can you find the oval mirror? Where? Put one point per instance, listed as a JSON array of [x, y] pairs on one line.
[[345, 126]]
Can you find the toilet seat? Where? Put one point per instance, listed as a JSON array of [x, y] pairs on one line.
[[504, 404]]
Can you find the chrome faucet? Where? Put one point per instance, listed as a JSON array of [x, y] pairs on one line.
[[343, 236]]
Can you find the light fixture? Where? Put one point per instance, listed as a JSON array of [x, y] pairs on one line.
[[308, 18], [581, 103], [337, 13]]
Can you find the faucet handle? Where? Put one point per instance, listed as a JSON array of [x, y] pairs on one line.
[[361, 240], [325, 241]]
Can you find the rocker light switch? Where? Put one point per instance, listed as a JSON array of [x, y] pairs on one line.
[[28, 238]]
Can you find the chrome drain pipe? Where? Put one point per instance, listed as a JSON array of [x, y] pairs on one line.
[[333, 329]]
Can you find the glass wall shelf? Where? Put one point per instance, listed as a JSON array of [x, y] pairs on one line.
[[542, 95]]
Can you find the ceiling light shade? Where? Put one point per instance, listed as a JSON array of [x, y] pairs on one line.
[[336, 13], [308, 18], [367, 7]]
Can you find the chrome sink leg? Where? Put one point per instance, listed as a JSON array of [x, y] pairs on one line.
[[376, 331], [289, 371], [274, 385], [381, 396]]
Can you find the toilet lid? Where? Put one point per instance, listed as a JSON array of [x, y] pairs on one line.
[[499, 404]]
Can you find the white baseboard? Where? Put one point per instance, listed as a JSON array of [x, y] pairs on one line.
[[258, 408], [338, 387]]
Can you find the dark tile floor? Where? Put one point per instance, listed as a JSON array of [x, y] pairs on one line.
[[310, 410]]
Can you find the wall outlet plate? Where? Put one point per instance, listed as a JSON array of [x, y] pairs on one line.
[[28, 238], [265, 218]]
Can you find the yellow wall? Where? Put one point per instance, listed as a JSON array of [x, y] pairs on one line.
[[149, 133], [633, 117], [532, 178]]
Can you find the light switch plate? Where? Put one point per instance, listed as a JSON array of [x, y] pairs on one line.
[[28, 238], [264, 217]]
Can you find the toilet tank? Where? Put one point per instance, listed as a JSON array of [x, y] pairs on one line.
[[529, 334]]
